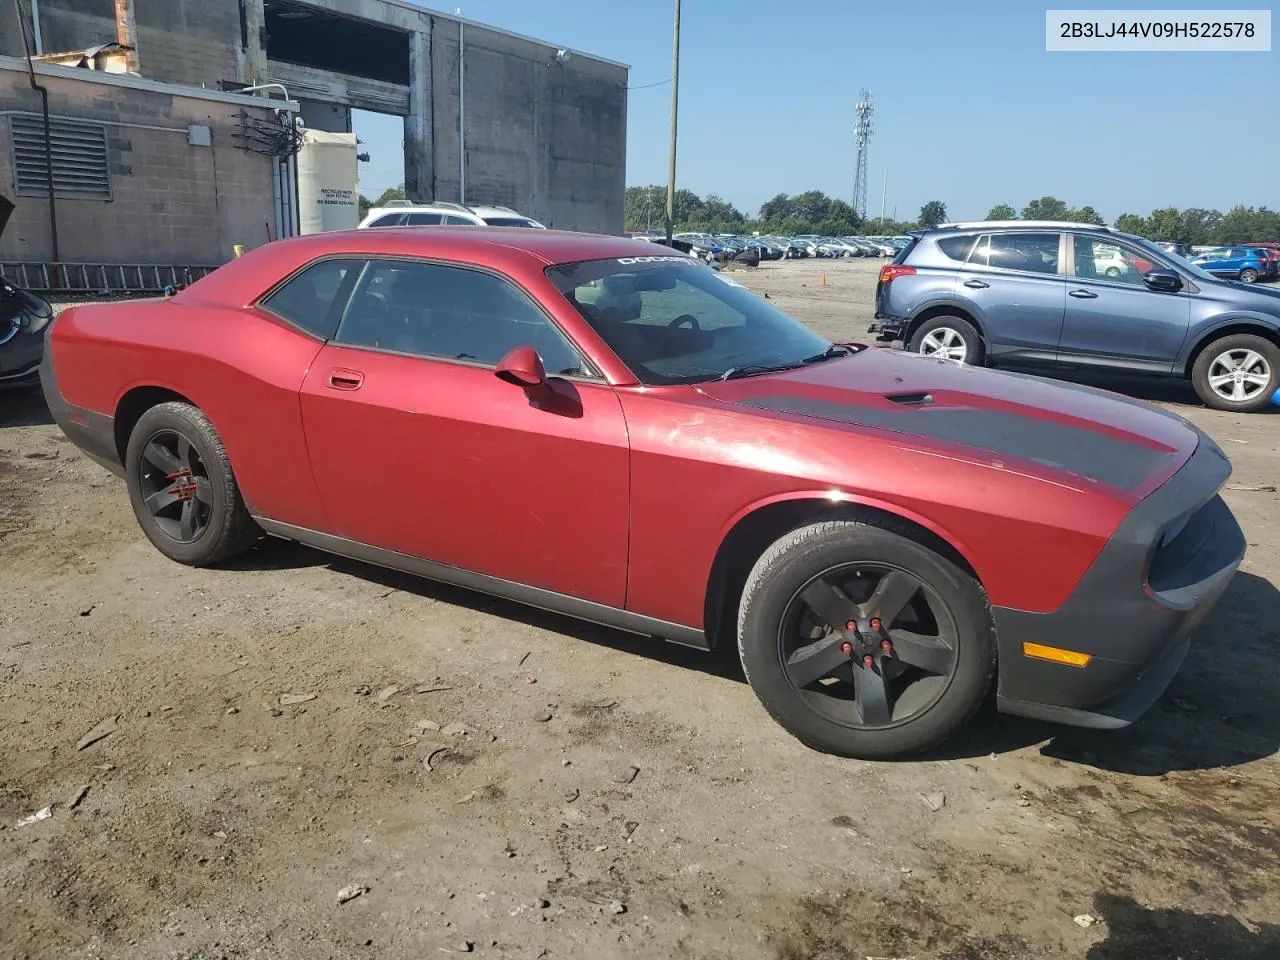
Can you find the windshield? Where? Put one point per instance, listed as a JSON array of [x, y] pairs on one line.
[[673, 320], [1183, 263]]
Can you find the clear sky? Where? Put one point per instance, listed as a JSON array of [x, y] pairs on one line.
[[970, 108]]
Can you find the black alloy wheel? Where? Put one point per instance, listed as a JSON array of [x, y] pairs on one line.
[[182, 488], [175, 486], [868, 645], [863, 641]]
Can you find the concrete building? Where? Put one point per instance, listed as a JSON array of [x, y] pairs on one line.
[[490, 117]]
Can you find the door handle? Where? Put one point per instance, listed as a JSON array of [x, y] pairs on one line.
[[1082, 294], [346, 379], [976, 284]]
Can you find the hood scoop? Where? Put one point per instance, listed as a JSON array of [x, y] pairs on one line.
[[913, 398]]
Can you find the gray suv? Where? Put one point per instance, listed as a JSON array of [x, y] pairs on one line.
[[1071, 294]]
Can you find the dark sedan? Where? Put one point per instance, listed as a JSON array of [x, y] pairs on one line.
[[23, 318]]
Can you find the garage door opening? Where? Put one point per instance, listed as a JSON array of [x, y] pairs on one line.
[[314, 37], [382, 176]]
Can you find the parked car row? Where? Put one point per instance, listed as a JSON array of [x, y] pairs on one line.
[[1068, 294], [1246, 263], [723, 247]]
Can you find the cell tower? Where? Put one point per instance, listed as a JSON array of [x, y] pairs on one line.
[[862, 131]]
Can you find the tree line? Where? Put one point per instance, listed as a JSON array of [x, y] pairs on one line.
[[813, 212]]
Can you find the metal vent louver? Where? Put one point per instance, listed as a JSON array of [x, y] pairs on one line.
[[81, 170]]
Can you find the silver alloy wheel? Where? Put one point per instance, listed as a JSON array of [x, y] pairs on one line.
[[945, 343], [1237, 375]]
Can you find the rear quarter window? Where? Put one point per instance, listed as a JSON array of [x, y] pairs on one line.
[[906, 250], [313, 299], [957, 248]]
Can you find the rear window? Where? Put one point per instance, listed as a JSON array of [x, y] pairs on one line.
[[958, 248]]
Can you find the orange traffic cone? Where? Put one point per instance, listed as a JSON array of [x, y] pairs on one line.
[[822, 281]]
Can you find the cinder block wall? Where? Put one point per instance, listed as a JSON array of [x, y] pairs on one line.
[[171, 202]]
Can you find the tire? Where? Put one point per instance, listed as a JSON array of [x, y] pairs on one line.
[[1247, 354], [825, 722], [1248, 275], [948, 338], [176, 458], [1112, 272]]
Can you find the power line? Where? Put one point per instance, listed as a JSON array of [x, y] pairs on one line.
[[646, 86]]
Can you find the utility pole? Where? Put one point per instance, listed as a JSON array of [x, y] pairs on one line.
[[884, 193], [675, 109]]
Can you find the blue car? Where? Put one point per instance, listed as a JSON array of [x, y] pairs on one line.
[[1246, 264], [1070, 294]]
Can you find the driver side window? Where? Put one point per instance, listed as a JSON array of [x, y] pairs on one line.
[[1103, 258], [450, 313]]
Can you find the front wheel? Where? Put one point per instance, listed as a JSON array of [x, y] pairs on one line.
[[948, 338], [1240, 372], [182, 490], [862, 642]]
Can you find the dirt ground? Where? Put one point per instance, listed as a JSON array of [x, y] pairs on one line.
[[658, 812]]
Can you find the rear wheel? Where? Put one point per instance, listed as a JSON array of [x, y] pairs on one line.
[[182, 490], [948, 338], [1240, 372], [1248, 275], [864, 643]]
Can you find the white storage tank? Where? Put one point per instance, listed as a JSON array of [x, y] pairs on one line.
[[328, 195]]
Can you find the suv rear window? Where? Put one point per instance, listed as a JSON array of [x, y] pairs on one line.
[[958, 248]]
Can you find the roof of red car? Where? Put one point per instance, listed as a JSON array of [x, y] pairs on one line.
[[549, 246], [244, 279]]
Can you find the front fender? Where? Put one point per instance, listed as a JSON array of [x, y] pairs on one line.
[[839, 498], [1211, 329]]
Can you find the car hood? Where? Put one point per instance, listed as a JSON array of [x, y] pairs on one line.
[[1061, 432]]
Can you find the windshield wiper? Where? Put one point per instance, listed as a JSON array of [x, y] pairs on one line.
[[751, 369], [833, 351]]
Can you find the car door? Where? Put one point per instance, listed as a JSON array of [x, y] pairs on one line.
[[1117, 320], [1013, 284], [418, 448]]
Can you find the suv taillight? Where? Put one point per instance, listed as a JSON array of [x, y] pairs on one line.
[[891, 270]]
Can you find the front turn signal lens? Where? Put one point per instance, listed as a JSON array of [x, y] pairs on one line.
[[1056, 654]]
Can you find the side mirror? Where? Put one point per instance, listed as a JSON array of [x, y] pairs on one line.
[[1162, 281], [523, 367]]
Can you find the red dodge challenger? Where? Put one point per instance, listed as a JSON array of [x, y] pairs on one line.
[[611, 429]]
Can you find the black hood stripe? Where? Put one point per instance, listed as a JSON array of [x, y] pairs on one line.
[[1083, 452]]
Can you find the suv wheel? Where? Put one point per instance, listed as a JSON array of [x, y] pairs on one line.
[[864, 643], [1240, 372], [1248, 275], [948, 338]]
